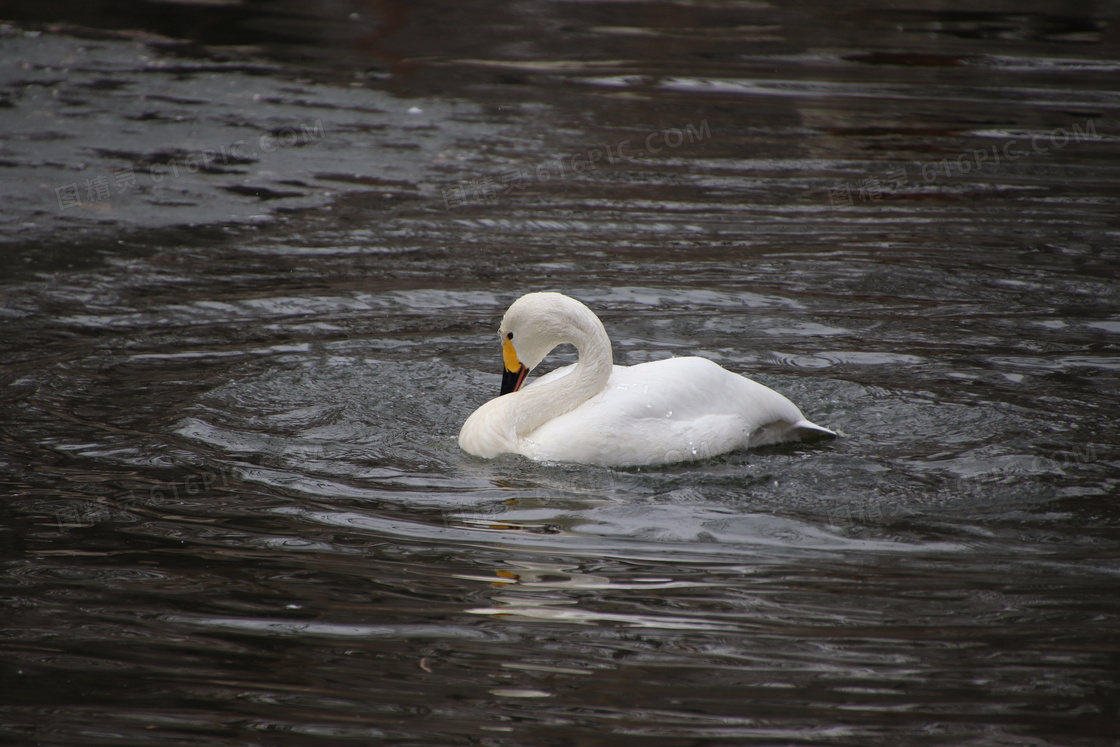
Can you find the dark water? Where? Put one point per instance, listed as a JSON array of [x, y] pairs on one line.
[[234, 511]]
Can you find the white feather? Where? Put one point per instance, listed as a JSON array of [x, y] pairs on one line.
[[594, 413]]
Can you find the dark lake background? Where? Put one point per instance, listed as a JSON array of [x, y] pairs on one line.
[[252, 259]]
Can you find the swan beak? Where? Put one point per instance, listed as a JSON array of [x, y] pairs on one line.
[[514, 374], [512, 380]]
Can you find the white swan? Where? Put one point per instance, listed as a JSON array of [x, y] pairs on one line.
[[593, 412]]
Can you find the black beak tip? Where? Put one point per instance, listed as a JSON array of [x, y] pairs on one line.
[[512, 380]]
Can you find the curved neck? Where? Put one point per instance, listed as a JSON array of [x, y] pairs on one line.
[[536, 405]]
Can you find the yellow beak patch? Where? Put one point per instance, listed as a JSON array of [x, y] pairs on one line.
[[509, 356]]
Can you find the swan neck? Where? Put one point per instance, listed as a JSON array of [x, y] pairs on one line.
[[592, 371], [596, 359]]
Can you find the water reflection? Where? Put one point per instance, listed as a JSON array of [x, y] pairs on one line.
[[551, 593]]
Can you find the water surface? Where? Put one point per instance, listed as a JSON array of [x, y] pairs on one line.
[[234, 508]]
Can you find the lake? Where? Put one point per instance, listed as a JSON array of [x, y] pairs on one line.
[[254, 258]]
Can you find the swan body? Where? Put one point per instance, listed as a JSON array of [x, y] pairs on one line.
[[593, 412]]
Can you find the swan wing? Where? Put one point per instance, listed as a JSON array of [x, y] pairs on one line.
[[668, 411]]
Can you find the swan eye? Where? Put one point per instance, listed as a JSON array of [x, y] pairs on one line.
[[509, 335]]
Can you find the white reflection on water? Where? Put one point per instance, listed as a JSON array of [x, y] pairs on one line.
[[266, 626]]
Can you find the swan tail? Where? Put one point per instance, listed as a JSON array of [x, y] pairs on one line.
[[809, 431], [782, 431]]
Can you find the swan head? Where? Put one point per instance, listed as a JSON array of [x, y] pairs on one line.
[[534, 325]]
